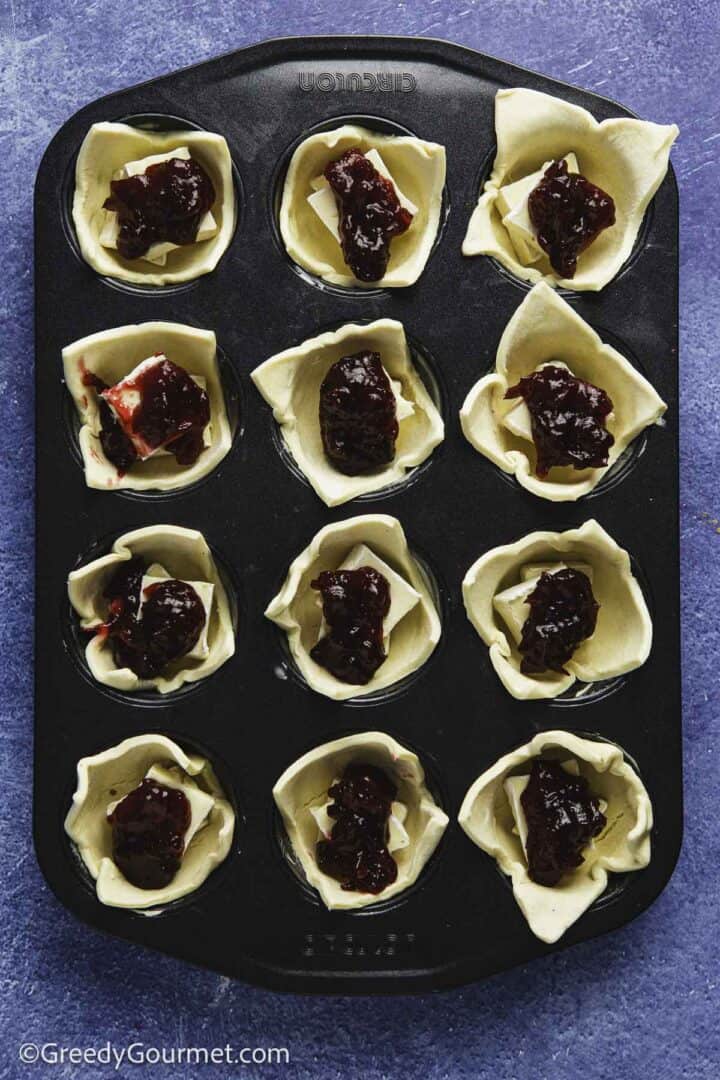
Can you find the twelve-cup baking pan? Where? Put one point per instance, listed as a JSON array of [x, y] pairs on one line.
[[254, 918]]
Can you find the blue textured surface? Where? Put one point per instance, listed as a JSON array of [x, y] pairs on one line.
[[641, 1002]]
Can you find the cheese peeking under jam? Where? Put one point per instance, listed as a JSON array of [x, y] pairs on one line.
[[205, 590], [511, 604], [324, 203], [512, 204]]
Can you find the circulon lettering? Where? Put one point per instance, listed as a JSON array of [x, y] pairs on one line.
[[389, 82]]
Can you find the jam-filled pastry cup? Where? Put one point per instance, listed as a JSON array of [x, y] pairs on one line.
[[113, 152], [103, 362], [367, 559], [292, 381], [626, 159], [545, 332], [410, 819], [172, 849], [155, 611], [579, 582], [493, 815], [311, 216]]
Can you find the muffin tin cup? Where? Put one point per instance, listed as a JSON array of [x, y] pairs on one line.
[[253, 919]]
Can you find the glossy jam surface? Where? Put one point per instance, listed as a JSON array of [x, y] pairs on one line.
[[568, 213], [354, 602], [356, 854], [358, 416], [370, 214], [562, 818], [563, 613], [148, 834], [567, 418], [172, 413], [165, 204], [167, 626]]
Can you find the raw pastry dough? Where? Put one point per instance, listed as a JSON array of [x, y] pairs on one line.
[[296, 610], [106, 778], [105, 149], [290, 383], [546, 328], [304, 786], [627, 158], [416, 165], [624, 844], [111, 355], [623, 634], [185, 555]]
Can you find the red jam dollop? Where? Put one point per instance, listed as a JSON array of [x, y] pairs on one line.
[[568, 213], [370, 214], [354, 603], [165, 204], [172, 413], [356, 853], [567, 417], [563, 613], [166, 628], [562, 818], [358, 416], [148, 834]]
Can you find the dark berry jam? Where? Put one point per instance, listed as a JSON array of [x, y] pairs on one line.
[[562, 817], [563, 613], [165, 204], [568, 213], [172, 413], [370, 214], [358, 417], [355, 602], [148, 834], [166, 628], [356, 854], [567, 418]]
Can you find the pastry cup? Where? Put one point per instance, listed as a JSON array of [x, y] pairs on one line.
[[185, 554], [623, 845], [417, 166], [105, 149], [112, 354], [108, 777], [546, 328], [290, 383], [627, 158], [297, 611], [305, 784], [623, 634]]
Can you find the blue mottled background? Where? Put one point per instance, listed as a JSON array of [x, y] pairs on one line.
[[642, 1002]]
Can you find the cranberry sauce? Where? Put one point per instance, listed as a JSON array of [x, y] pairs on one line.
[[173, 412], [356, 853], [167, 626], [563, 613], [568, 213], [148, 834], [166, 203], [370, 214], [358, 417], [562, 817], [567, 417], [355, 602]]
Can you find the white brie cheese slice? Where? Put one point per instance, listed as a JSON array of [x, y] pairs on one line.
[[514, 787], [511, 604], [403, 597], [200, 802], [156, 253], [325, 205], [512, 203], [397, 834], [205, 590], [403, 407], [517, 420], [126, 398]]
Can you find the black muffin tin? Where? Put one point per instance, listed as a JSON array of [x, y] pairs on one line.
[[253, 918]]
